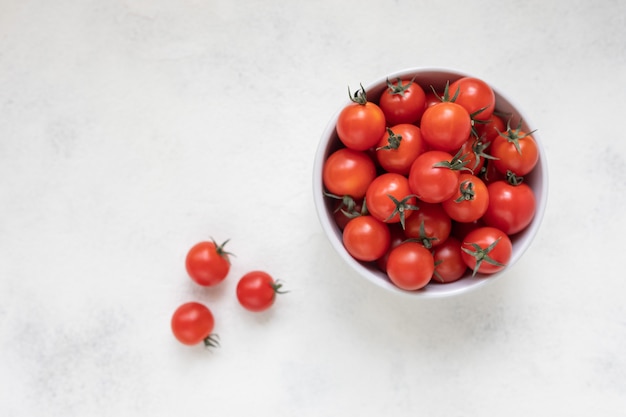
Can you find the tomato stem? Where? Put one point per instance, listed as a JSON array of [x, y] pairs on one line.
[[482, 255], [399, 88], [359, 97], [211, 341], [276, 286], [401, 207], [220, 249], [466, 188], [423, 238], [393, 141]]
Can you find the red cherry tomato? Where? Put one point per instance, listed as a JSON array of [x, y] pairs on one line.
[[446, 126], [361, 123], [410, 266], [511, 207], [449, 264], [207, 263], [366, 238], [389, 198], [193, 323], [403, 101], [486, 250], [256, 291], [348, 172], [430, 225], [434, 176], [470, 201], [489, 130], [475, 95], [515, 151], [399, 147]]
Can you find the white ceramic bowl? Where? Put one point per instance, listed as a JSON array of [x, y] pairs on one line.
[[537, 179]]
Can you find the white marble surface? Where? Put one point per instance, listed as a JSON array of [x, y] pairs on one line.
[[129, 130]]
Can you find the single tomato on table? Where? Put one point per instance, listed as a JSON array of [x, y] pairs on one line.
[[256, 291], [208, 263], [192, 323]]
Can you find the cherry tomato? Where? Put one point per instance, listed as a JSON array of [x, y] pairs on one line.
[[470, 201], [489, 130], [389, 198], [193, 323], [516, 151], [399, 147], [361, 123], [256, 291], [429, 224], [434, 176], [207, 263], [446, 126], [403, 101], [410, 266], [486, 250], [449, 264], [474, 151], [511, 207], [431, 99], [366, 238], [348, 172], [475, 95]]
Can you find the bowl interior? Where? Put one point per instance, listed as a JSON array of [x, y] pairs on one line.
[[329, 142]]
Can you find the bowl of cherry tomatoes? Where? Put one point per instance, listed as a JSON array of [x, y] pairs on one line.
[[430, 182]]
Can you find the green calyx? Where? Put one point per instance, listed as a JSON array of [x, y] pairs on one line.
[[211, 341], [446, 93], [401, 207], [393, 141], [459, 162], [347, 206], [423, 238], [482, 255], [399, 88], [466, 188], [513, 179], [277, 287], [220, 249], [359, 96], [515, 135]]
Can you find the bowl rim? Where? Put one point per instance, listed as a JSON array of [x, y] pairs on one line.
[[465, 284]]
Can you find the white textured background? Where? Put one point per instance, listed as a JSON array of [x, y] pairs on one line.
[[130, 130]]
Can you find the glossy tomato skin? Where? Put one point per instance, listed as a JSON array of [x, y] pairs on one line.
[[521, 162], [410, 266], [360, 126], [465, 208], [207, 263], [474, 95], [446, 126], [403, 105], [485, 237], [434, 221], [366, 238], [379, 203], [192, 323], [348, 172], [399, 147], [256, 291], [431, 183], [511, 207], [492, 127], [449, 264]]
